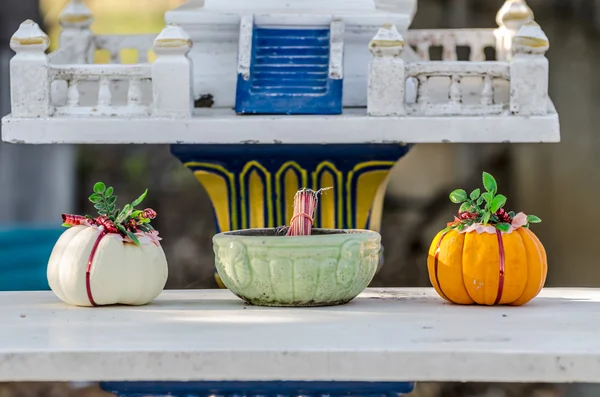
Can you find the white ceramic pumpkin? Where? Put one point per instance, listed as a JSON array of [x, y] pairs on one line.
[[89, 267]]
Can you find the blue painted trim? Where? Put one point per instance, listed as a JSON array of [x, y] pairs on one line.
[[24, 253], [329, 103], [235, 156], [266, 388], [289, 74]]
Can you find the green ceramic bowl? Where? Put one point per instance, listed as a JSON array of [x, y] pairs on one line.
[[266, 268]]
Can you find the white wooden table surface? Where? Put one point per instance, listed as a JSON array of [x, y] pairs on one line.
[[384, 335]]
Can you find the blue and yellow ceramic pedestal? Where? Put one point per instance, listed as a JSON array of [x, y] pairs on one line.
[[253, 186]]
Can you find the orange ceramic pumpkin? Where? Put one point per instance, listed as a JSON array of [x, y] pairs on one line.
[[487, 256]]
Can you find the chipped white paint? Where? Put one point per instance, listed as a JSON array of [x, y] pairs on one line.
[[172, 74], [336, 50], [245, 46], [215, 30], [397, 334], [463, 68], [30, 83], [353, 126], [387, 74], [529, 71]]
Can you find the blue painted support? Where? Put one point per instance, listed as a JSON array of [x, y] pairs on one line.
[[258, 389], [289, 74], [24, 254], [253, 186]]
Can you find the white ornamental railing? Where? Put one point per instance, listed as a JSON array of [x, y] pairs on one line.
[[516, 85], [65, 83], [103, 75], [476, 40]]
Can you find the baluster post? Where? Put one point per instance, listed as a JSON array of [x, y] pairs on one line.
[[172, 82], [134, 93], [477, 53], [423, 50], [76, 38], [455, 90], [73, 93], [387, 74], [422, 81], [29, 72], [104, 94], [487, 93], [529, 71], [449, 49]]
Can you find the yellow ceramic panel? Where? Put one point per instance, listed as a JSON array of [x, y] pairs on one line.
[[366, 190], [263, 174], [338, 186], [327, 201], [286, 187], [256, 192], [292, 185], [216, 187]]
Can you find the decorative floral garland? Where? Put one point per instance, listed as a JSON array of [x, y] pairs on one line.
[[128, 224], [489, 218]]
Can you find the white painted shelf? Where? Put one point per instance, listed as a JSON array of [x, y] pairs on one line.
[[223, 126], [384, 335]]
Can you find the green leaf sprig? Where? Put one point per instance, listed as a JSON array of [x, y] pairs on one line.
[[492, 212], [126, 221]]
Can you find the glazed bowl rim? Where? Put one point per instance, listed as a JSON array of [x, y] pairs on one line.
[[329, 233]]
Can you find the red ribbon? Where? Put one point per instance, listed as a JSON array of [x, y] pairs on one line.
[[75, 220], [88, 271], [502, 262]]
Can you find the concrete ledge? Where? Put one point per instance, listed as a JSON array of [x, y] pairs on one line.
[[223, 126]]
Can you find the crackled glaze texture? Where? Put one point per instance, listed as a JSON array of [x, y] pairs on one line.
[[317, 270]]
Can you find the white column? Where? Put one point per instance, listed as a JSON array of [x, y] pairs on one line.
[[76, 37], [512, 15], [529, 71], [29, 76], [387, 74], [172, 74]]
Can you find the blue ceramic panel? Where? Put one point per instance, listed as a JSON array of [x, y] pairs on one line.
[[289, 74], [24, 254], [255, 389]]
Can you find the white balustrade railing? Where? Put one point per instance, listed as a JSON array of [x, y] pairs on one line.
[[435, 77], [517, 85], [46, 85], [103, 75], [477, 40]]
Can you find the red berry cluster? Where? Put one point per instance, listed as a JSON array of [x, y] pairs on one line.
[[503, 216]]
